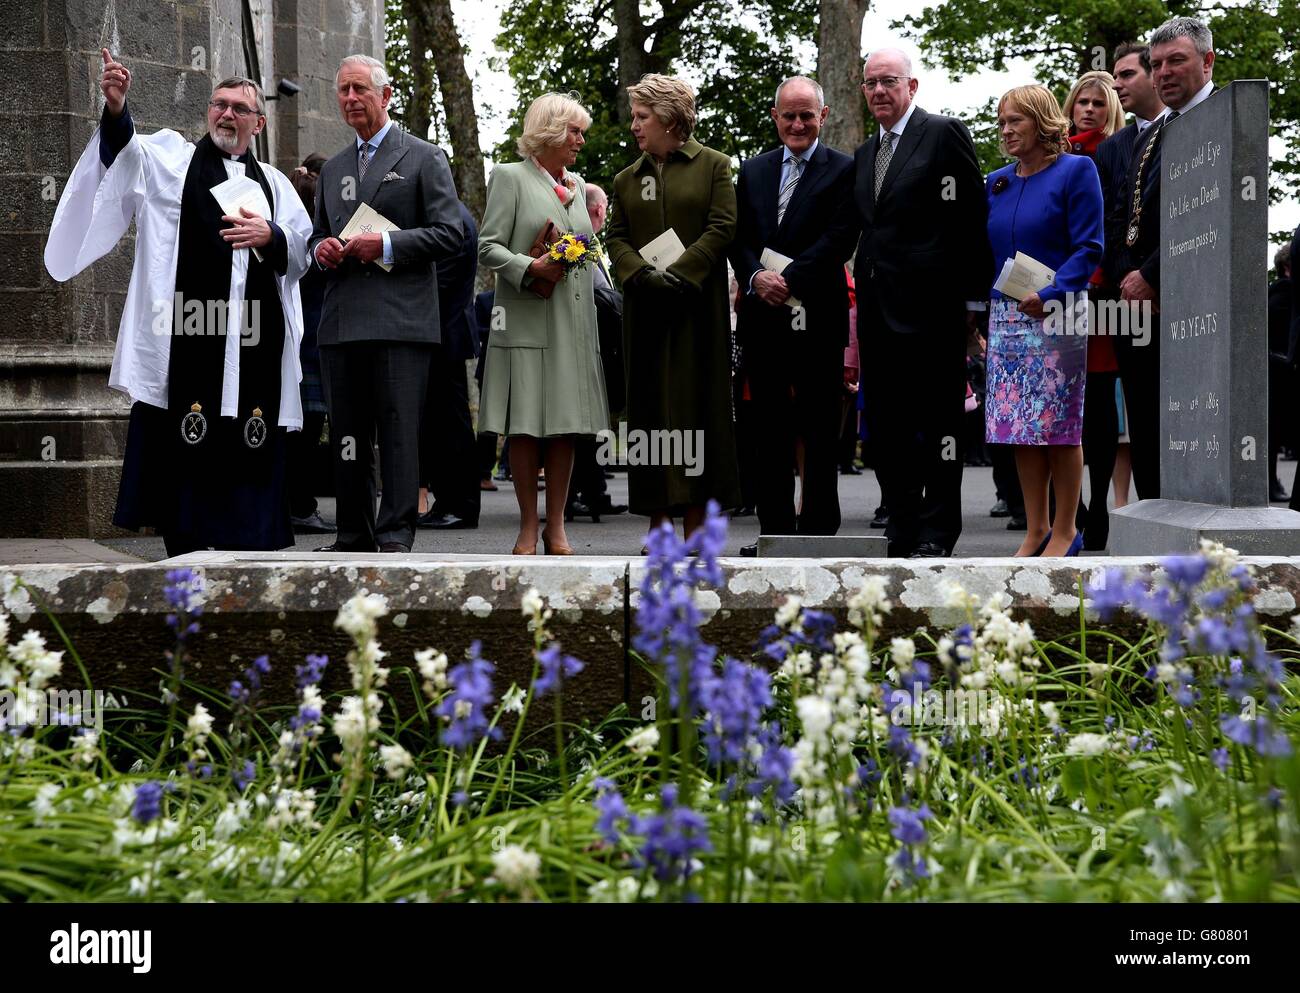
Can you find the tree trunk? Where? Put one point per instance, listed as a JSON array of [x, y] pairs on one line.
[[457, 105], [420, 100], [839, 70], [631, 51]]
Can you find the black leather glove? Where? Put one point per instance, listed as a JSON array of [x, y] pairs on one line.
[[656, 282]]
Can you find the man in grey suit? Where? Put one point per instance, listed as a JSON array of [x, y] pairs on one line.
[[377, 327]]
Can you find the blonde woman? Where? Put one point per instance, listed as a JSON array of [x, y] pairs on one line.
[[542, 380], [1094, 112], [1046, 204], [676, 322]]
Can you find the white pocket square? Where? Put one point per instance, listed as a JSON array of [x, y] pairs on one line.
[[391, 177]]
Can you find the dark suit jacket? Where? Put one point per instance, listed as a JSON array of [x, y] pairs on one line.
[[483, 304], [409, 182], [456, 293], [1114, 157], [1144, 254], [924, 249], [817, 232], [609, 330]]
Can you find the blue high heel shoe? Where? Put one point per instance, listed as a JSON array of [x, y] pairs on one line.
[[1076, 545], [1039, 550]]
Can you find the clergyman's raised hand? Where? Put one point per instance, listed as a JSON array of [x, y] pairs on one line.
[[114, 83]]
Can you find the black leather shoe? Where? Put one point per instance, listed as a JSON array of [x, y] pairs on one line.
[[881, 520], [445, 522], [393, 546], [929, 550], [1018, 523], [1000, 509], [746, 511], [313, 524], [336, 547], [749, 551]]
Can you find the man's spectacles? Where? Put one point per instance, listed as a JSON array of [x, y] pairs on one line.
[[885, 82], [238, 109]]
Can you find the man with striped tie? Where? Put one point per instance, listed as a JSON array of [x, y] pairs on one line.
[[379, 319], [923, 268], [795, 204]]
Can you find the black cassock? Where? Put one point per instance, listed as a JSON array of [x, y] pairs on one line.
[[199, 479]]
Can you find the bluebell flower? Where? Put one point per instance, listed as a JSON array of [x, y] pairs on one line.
[[775, 765], [1258, 734], [311, 673], [907, 824], [459, 798], [612, 808], [183, 593], [243, 775], [1273, 798], [1186, 570], [1219, 757], [901, 745], [1111, 593], [244, 694], [672, 838], [466, 705], [735, 702], [667, 618], [147, 805], [556, 667]]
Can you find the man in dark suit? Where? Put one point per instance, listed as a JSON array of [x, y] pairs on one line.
[[588, 494], [793, 324], [448, 464], [923, 269], [1182, 61], [378, 327], [1137, 95]]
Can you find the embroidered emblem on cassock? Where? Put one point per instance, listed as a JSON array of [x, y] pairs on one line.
[[255, 429], [194, 426]]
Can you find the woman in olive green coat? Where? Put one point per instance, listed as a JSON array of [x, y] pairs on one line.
[[542, 378], [676, 325]]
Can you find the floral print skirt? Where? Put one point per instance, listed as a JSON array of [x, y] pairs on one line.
[[1035, 379]]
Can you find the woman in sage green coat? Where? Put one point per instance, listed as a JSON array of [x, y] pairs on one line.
[[542, 378], [676, 323]]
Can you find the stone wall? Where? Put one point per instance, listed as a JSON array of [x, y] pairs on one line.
[[62, 430], [284, 604]]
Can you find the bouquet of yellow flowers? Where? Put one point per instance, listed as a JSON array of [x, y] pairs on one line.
[[574, 251]]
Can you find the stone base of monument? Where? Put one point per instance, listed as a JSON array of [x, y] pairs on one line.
[[1161, 527], [822, 546]]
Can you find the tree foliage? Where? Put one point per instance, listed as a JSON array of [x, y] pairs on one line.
[[1255, 40], [737, 51]]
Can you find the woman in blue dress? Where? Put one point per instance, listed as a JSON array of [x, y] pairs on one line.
[[1047, 205]]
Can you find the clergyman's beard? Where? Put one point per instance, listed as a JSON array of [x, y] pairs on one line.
[[227, 141]]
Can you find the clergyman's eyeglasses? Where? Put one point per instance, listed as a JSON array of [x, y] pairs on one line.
[[238, 109]]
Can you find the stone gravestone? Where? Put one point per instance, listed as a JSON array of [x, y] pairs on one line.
[[1213, 340]]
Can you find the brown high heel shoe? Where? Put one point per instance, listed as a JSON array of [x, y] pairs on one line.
[[525, 549], [550, 549]]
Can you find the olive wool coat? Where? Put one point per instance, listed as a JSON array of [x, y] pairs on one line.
[[677, 345]]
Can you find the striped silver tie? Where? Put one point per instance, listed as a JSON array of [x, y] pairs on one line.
[[787, 191]]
